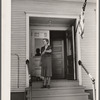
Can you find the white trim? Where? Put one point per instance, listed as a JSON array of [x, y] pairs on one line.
[[6, 50], [78, 47], [50, 15], [30, 14], [97, 52], [27, 49], [27, 36], [46, 28], [79, 58]]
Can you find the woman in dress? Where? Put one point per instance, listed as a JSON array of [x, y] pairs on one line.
[[46, 64]]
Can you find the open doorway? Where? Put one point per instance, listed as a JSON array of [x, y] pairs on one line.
[[59, 32], [57, 39], [63, 54]]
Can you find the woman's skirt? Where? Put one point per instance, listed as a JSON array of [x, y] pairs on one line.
[[46, 66]]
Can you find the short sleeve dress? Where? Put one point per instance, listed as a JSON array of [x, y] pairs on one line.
[[46, 63]]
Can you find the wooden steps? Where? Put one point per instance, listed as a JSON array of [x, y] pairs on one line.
[[60, 90], [57, 83], [52, 91], [78, 96]]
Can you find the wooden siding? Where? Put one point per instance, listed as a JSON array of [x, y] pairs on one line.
[[88, 48], [18, 34], [18, 46]]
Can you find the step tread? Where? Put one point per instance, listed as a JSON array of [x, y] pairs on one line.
[[61, 95], [58, 81], [58, 88]]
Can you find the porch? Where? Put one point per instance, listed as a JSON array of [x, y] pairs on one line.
[[60, 90]]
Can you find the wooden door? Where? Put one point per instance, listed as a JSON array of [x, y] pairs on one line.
[[71, 74], [58, 59]]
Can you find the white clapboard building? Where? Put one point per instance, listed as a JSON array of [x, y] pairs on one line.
[[57, 20]]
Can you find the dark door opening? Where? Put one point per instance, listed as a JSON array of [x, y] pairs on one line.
[[57, 39], [62, 55]]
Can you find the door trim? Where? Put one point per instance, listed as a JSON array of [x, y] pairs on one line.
[[52, 15]]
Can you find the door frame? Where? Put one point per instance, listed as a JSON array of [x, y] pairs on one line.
[[52, 15]]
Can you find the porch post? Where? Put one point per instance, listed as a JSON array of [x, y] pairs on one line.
[[79, 69], [27, 48]]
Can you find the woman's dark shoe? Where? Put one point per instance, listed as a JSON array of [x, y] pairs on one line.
[[44, 86], [48, 86]]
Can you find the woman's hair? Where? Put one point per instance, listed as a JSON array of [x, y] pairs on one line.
[[46, 40]]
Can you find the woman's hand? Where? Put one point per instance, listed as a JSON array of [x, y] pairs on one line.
[[48, 51]]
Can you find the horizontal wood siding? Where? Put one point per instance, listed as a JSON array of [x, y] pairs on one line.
[[18, 40], [18, 32], [88, 46]]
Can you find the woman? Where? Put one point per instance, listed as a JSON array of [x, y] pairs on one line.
[[46, 70]]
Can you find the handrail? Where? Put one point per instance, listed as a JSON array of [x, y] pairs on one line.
[[18, 68], [30, 76], [92, 79], [27, 63]]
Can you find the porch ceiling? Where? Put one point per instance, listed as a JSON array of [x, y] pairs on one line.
[[35, 21]]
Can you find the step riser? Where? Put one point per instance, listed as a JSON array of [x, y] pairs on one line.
[[55, 84], [55, 92], [63, 98]]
